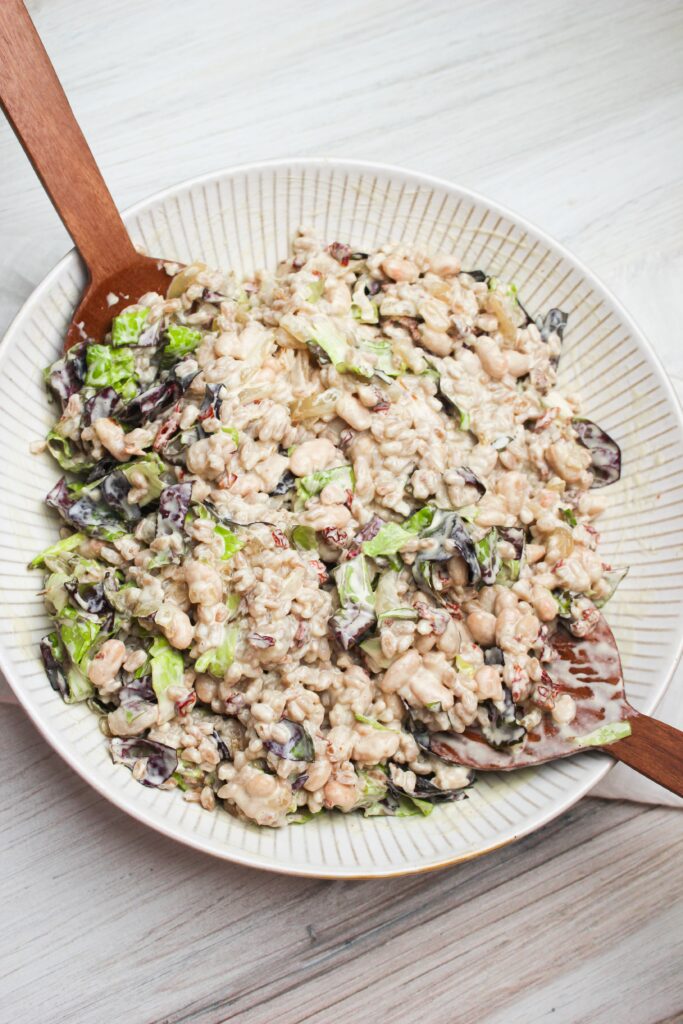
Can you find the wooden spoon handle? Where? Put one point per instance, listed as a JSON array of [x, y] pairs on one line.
[[39, 112], [653, 749]]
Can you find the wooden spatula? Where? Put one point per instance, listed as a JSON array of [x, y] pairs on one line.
[[589, 669], [39, 112]]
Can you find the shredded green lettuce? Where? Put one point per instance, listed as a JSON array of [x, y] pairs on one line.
[[372, 722], [232, 432], [218, 660], [167, 673], [55, 550], [353, 582], [363, 308], [77, 633], [151, 468], [320, 333], [394, 536], [372, 647], [568, 516], [181, 340], [68, 455], [107, 366], [231, 542], [316, 290], [604, 735], [308, 486], [80, 687], [304, 538], [381, 358], [127, 327], [613, 577]]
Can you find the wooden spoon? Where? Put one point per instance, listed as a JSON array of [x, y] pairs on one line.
[[589, 669], [39, 112]]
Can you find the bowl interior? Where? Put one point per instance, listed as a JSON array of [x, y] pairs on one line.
[[245, 219]]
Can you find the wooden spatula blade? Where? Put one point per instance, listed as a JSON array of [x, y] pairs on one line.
[[589, 670], [104, 299]]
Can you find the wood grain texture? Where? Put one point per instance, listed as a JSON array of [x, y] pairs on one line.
[[107, 919], [574, 120], [654, 749], [33, 100]]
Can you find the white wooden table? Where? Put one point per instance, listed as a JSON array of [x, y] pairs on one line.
[[570, 114]]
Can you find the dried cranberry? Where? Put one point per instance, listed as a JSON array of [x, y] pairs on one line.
[[319, 567], [340, 252], [167, 429], [302, 634], [336, 537], [186, 704]]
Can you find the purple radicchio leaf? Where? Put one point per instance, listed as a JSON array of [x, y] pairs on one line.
[[84, 513], [488, 557], [299, 782], [150, 403], [101, 468], [162, 761], [418, 730], [151, 335], [89, 596], [350, 624], [498, 722], [370, 530], [137, 691], [605, 452], [175, 450], [221, 746], [59, 497], [114, 490], [174, 503], [286, 483], [212, 402], [554, 322], [155, 400], [101, 405], [208, 295], [469, 477], [65, 377], [425, 789], [51, 653], [515, 536], [298, 746], [445, 527], [494, 656]]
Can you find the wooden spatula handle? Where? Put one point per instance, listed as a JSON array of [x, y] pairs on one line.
[[653, 749], [39, 112]]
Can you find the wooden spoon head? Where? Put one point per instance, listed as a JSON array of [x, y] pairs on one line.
[[589, 670], [97, 308]]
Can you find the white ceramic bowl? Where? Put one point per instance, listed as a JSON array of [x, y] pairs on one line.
[[245, 218]]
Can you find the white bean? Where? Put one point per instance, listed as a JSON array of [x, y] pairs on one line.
[[312, 456], [356, 415], [106, 664], [400, 672]]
